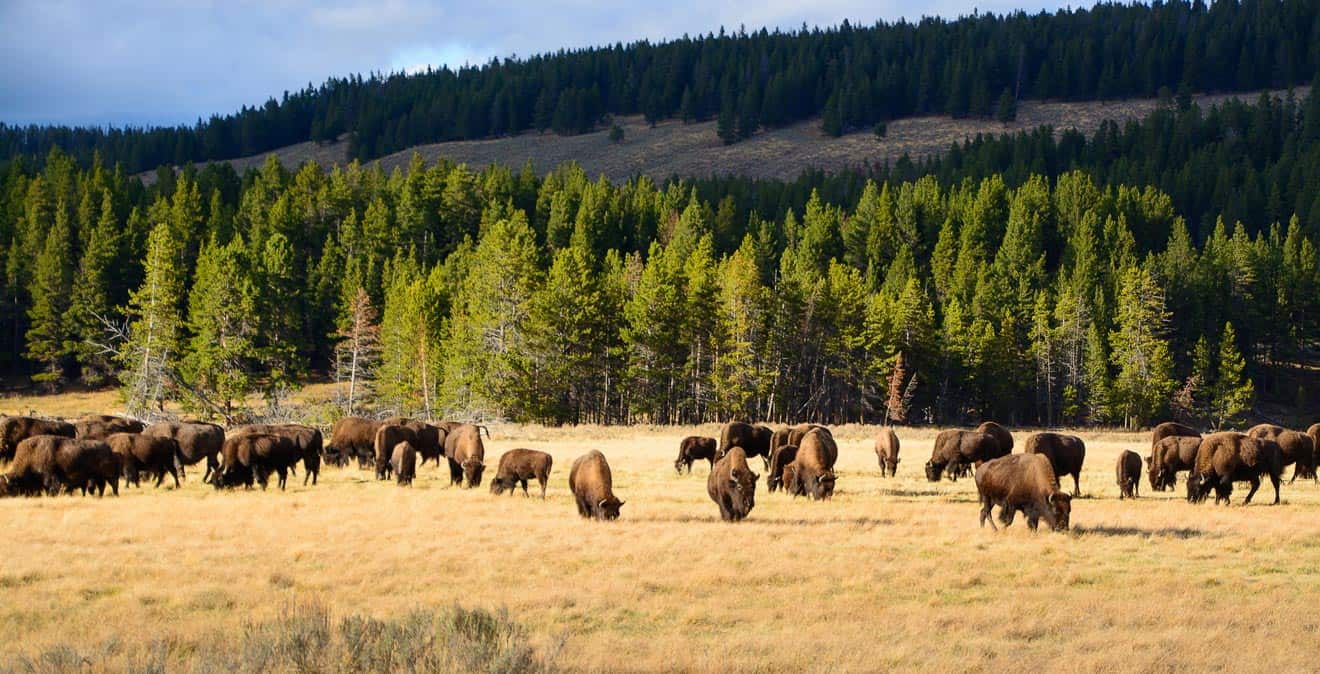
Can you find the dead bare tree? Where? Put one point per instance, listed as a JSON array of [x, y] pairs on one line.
[[357, 351]]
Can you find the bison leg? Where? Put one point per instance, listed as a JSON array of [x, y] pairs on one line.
[[173, 474], [1255, 484], [1274, 480], [455, 473], [1077, 484], [986, 506], [543, 481], [523, 480], [584, 509]]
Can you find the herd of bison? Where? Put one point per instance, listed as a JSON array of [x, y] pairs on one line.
[[47, 456]]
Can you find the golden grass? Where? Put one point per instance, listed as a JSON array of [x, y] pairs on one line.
[[891, 575]]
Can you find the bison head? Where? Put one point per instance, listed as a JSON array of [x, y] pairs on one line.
[[1061, 508], [497, 486], [1197, 487], [6, 488], [472, 469], [679, 463], [934, 469], [824, 486], [608, 508], [892, 465], [743, 485]]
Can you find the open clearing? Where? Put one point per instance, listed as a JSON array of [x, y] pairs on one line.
[[893, 574], [673, 148]]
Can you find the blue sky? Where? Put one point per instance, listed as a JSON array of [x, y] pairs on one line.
[[145, 62]]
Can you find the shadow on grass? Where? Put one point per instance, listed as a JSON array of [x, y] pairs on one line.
[[1159, 532], [752, 519]]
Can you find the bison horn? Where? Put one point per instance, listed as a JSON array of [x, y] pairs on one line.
[[602, 503]]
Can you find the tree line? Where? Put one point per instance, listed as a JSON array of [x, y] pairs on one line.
[[850, 76], [438, 290]]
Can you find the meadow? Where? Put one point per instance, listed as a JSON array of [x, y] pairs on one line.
[[892, 574]]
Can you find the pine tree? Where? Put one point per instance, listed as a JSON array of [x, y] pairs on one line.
[[49, 340], [563, 363], [90, 307], [1006, 109], [221, 363], [150, 353], [1140, 353], [1233, 392], [654, 334]]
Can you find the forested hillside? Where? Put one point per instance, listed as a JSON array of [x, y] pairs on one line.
[[1041, 298], [849, 76]]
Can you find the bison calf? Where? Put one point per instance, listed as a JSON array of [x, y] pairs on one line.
[[886, 452], [692, 449], [403, 460], [779, 463], [1129, 474], [518, 466], [592, 485]]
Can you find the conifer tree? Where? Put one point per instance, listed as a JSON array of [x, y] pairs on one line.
[[90, 306], [150, 353], [1140, 353], [49, 339], [1233, 392], [221, 362]]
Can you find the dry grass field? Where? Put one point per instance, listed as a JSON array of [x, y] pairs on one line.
[[892, 574], [693, 150]]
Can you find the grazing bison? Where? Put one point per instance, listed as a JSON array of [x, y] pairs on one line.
[[813, 466], [388, 436], [308, 440], [1065, 452], [197, 441], [466, 454], [1172, 429], [55, 463], [144, 453], [732, 486], [518, 466], [779, 463], [955, 449], [1171, 454], [1023, 482], [32, 469], [430, 442], [795, 433], [1225, 458], [886, 452], [14, 430], [102, 426], [778, 439], [1298, 448], [352, 438], [1129, 474], [754, 439], [403, 461], [1001, 436], [593, 487], [694, 448]]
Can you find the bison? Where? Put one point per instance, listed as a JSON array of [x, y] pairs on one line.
[[387, 437], [692, 449], [308, 440], [352, 438], [102, 426], [1225, 458], [256, 455], [14, 430], [144, 453], [403, 461], [466, 454], [1298, 448], [1172, 429], [732, 486], [54, 463], [1171, 454], [592, 486], [430, 442], [779, 462], [197, 441], [813, 466], [754, 439], [886, 452], [32, 468], [955, 449], [1065, 452], [518, 466], [1023, 482], [1128, 472], [778, 439], [1001, 436]]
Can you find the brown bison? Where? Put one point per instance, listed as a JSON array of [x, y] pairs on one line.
[[795, 433], [593, 487], [352, 438], [955, 449], [197, 441], [32, 469], [403, 461], [1023, 482], [778, 439], [754, 439], [143, 453], [1171, 454], [692, 449], [779, 463], [255, 455], [307, 438], [518, 466], [886, 452], [1065, 452], [430, 438], [102, 426], [813, 466], [1314, 432], [14, 430], [466, 454], [1298, 448], [1172, 429], [55, 463], [388, 436], [732, 486], [1225, 458], [1001, 436], [1129, 474]]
